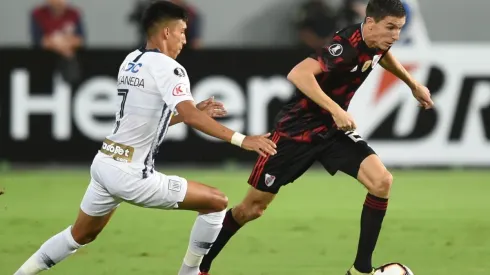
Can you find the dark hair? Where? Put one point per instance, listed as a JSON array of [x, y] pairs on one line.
[[379, 9], [158, 11]]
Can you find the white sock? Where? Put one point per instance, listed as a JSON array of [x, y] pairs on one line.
[[50, 253], [203, 234]]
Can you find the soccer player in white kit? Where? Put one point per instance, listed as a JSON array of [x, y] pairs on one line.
[[152, 87]]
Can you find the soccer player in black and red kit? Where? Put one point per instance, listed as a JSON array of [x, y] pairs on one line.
[[315, 126]]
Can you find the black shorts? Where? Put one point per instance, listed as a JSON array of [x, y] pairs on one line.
[[343, 151]]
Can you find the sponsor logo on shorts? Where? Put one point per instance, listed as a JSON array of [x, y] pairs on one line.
[[117, 151], [269, 180], [174, 185]]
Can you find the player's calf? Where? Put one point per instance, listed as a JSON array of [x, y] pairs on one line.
[[50, 253], [378, 181], [252, 207], [248, 211], [87, 228], [203, 235], [65, 243]]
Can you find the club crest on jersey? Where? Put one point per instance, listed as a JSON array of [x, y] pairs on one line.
[[269, 180], [366, 65], [180, 90], [335, 49], [179, 72]]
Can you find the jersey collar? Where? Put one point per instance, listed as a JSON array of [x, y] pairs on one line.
[[143, 49], [362, 35]]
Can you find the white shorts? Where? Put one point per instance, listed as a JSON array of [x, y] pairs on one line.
[[113, 182]]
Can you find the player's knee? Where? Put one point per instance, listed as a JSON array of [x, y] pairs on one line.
[[220, 201], [84, 237], [214, 218], [89, 238], [383, 185]]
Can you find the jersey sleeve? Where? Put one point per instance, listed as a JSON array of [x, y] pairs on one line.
[[173, 85], [337, 55]]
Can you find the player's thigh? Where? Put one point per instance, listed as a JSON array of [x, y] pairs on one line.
[[127, 183], [157, 190], [174, 192], [97, 201], [345, 152], [202, 198], [293, 158]]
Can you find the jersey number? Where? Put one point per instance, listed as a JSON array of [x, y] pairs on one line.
[[124, 94]]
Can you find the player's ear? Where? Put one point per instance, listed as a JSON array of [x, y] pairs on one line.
[[166, 32], [370, 21]]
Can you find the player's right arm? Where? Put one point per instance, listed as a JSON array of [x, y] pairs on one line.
[[201, 121], [303, 77]]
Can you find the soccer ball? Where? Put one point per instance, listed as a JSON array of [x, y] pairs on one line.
[[393, 269]]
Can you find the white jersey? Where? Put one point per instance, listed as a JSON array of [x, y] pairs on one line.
[[150, 85]]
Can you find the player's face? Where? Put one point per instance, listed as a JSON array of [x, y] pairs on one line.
[[57, 3], [387, 31], [176, 37]]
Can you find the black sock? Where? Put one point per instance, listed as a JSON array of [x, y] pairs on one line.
[[373, 212], [230, 227]]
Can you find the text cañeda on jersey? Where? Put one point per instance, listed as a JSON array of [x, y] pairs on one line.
[[131, 81]]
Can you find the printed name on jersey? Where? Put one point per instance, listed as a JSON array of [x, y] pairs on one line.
[[335, 49], [180, 90], [179, 72], [131, 81]]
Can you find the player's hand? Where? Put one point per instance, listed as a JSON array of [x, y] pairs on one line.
[[212, 108], [422, 94], [260, 144], [344, 120]]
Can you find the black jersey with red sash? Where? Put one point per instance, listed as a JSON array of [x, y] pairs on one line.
[[346, 62]]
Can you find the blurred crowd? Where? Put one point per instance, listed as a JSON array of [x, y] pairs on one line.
[[58, 26]]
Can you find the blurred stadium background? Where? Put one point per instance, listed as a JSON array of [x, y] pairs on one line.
[[57, 105]]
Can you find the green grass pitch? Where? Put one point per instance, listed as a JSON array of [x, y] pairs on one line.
[[438, 222]]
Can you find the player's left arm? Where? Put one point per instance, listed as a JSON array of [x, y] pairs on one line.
[[419, 91], [176, 119]]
